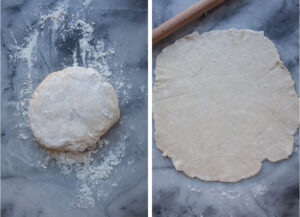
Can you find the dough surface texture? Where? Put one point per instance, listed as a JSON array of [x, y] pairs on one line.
[[72, 108], [223, 102]]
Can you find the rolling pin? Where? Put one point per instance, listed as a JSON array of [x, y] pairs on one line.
[[182, 19]]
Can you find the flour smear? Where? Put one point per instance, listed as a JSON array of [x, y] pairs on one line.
[[90, 172]]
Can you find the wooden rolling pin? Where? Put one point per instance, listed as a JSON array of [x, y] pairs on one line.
[[182, 19]]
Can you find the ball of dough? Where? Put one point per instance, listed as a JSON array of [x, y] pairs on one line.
[[72, 108], [223, 102]]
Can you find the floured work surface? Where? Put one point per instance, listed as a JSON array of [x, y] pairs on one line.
[[44, 37], [223, 102]]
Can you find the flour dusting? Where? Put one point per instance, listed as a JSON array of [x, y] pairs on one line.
[[193, 189], [87, 3], [92, 167], [25, 52], [258, 190], [28, 53], [230, 194], [56, 16], [90, 173]]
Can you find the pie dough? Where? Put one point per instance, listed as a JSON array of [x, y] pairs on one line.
[[72, 108], [223, 102]]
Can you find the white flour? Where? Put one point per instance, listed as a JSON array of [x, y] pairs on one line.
[[26, 52], [230, 194], [87, 3], [89, 171], [193, 189], [258, 190], [56, 16]]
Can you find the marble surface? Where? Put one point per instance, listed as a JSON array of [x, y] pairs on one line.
[[36, 40], [274, 192]]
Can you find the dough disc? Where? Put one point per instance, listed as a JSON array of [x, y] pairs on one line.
[[72, 108], [223, 102]]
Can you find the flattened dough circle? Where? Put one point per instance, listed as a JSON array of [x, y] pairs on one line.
[[72, 108], [223, 102]]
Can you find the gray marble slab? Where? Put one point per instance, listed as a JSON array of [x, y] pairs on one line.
[[28, 186], [274, 192]]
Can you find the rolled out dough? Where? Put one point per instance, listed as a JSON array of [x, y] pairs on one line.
[[72, 108], [223, 102]]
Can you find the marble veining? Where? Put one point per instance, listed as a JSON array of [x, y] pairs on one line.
[[30, 188], [274, 192]]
